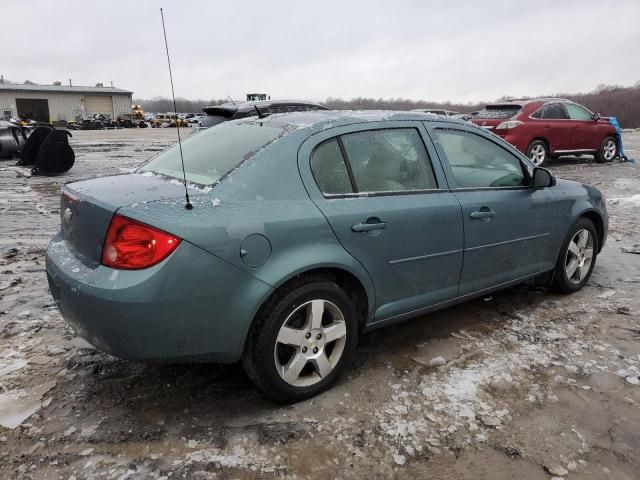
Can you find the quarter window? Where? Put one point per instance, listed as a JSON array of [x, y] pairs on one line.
[[477, 162], [329, 169], [389, 160], [576, 112]]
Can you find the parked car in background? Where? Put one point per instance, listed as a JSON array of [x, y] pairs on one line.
[[314, 228], [148, 116], [435, 111], [544, 128], [465, 116], [196, 119], [162, 120], [234, 110]]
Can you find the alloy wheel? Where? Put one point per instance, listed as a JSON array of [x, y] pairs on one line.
[[579, 256], [537, 154], [310, 343], [609, 149]]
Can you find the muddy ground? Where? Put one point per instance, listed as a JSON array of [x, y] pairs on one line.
[[534, 385]]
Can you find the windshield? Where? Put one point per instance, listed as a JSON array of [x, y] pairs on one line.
[[499, 111], [213, 153]]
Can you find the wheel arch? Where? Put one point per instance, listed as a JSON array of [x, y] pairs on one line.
[[542, 139], [356, 287], [598, 222]]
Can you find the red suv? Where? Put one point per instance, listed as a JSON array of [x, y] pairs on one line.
[[549, 127]]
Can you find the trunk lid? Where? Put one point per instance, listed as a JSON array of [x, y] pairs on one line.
[[86, 207]]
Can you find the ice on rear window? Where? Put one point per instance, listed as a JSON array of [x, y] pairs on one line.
[[213, 153], [502, 111]]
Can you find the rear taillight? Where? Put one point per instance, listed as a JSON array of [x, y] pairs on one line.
[[131, 245], [509, 124]]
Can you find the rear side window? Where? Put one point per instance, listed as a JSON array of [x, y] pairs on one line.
[[477, 162], [374, 161], [554, 111], [391, 160], [576, 112], [329, 169]]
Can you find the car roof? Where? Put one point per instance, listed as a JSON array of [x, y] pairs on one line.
[[521, 102], [323, 119], [246, 106]]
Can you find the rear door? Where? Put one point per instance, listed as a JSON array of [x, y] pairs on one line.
[[389, 206], [508, 226], [557, 126]]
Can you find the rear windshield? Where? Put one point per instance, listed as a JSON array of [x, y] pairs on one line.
[[499, 111], [211, 154]]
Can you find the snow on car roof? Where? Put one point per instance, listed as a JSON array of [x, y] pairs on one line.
[[331, 118]]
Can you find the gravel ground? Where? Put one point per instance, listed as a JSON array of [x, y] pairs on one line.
[[528, 383]]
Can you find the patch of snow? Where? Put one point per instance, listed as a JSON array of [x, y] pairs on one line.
[[633, 200]]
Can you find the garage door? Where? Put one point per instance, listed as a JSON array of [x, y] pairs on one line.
[[95, 104]]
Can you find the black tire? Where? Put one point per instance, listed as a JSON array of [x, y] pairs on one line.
[[259, 358], [561, 281], [538, 152], [608, 150]]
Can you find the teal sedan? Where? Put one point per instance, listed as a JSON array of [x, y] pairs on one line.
[[308, 229]]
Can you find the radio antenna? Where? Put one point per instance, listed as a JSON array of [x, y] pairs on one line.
[[187, 205]]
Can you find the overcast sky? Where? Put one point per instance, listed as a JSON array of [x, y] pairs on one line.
[[437, 50]]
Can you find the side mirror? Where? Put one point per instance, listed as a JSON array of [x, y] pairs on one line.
[[595, 117], [542, 178]]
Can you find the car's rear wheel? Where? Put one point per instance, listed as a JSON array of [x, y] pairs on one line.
[[577, 257], [301, 340], [538, 152], [608, 150]]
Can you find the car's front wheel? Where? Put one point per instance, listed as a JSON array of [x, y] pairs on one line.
[[538, 152], [301, 340], [577, 257], [608, 150]]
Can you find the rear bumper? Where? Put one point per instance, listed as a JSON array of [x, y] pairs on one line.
[[191, 306]]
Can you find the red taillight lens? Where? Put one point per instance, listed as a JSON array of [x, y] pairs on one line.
[[131, 245]]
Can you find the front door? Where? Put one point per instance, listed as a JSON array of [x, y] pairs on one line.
[[584, 136], [508, 226], [389, 207]]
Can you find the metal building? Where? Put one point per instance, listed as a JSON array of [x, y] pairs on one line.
[[51, 103]]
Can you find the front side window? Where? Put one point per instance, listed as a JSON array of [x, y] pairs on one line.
[[576, 112], [554, 111], [329, 169], [477, 162], [390, 160], [214, 152]]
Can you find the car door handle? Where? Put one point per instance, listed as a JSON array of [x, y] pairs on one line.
[[368, 226], [482, 213]]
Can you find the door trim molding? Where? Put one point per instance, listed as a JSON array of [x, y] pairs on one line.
[[424, 257], [375, 324], [507, 242]]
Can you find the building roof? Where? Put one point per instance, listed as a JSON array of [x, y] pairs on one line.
[[20, 87]]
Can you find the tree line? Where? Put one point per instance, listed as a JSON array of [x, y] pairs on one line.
[[608, 100]]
